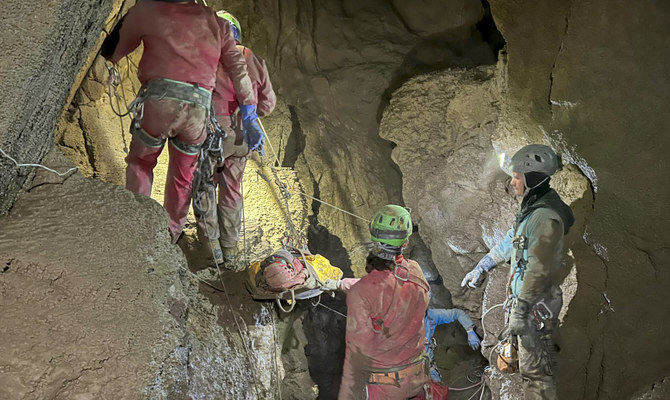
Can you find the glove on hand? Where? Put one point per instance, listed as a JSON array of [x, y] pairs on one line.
[[331, 285], [248, 112], [474, 277], [253, 135], [519, 320], [347, 283], [473, 339]]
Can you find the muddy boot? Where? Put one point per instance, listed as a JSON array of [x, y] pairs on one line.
[[217, 253], [229, 256]]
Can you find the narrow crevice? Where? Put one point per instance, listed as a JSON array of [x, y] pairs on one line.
[[295, 143], [558, 53]]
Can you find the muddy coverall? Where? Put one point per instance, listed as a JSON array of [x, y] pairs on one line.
[[385, 330], [223, 221], [534, 247], [183, 47]]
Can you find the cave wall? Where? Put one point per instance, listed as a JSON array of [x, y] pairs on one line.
[[592, 77], [334, 63], [45, 52]]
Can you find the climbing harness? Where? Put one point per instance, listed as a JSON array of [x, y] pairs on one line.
[[395, 375], [402, 275], [210, 155]]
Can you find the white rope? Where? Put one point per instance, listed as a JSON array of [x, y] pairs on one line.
[[484, 316], [328, 308], [37, 165], [330, 205], [267, 139]]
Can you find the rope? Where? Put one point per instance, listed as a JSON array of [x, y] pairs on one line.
[[114, 72], [239, 329], [274, 357], [484, 316], [37, 165], [328, 308], [468, 387], [274, 153], [218, 289], [330, 205], [234, 315], [244, 224]]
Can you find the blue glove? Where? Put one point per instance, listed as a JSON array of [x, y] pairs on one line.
[[474, 277], [248, 112], [473, 339], [253, 135]]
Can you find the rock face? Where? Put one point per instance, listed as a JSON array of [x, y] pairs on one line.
[[95, 311], [44, 50], [567, 83], [333, 63], [591, 79]]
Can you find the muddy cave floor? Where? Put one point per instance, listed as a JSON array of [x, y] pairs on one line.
[[460, 367]]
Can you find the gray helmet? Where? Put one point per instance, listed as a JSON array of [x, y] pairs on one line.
[[535, 158]]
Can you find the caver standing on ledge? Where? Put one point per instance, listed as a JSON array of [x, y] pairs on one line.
[[219, 225], [183, 46], [534, 247], [385, 340]]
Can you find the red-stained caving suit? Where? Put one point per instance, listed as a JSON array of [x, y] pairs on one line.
[[385, 330], [183, 47]]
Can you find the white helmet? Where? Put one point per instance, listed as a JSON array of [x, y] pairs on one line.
[[535, 158]]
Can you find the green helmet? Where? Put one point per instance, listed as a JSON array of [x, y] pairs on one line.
[[234, 24], [391, 225]]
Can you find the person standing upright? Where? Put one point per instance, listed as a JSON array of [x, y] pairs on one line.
[[534, 248], [183, 46], [219, 222]]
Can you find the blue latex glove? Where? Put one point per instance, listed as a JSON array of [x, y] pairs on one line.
[[473, 339], [474, 277], [253, 135]]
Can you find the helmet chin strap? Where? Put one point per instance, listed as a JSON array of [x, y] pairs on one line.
[[528, 189]]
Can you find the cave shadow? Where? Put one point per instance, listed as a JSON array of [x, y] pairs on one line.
[[463, 47], [296, 142], [325, 330]]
